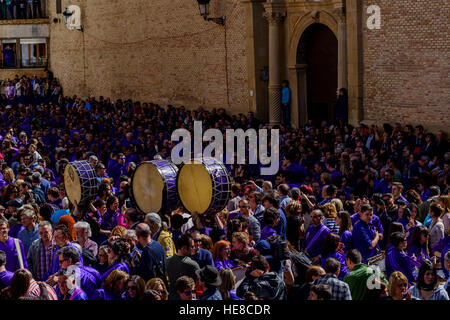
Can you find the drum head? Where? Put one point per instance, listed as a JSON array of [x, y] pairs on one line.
[[195, 187], [148, 187], [72, 184]]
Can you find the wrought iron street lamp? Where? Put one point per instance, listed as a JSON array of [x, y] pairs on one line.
[[203, 6]]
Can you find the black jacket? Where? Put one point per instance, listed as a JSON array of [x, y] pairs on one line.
[[269, 286]]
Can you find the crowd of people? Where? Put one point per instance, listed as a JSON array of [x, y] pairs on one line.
[[20, 9], [354, 213]]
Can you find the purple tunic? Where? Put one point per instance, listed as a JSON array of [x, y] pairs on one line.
[[12, 258], [267, 232], [5, 279], [119, 266], [224, 264]]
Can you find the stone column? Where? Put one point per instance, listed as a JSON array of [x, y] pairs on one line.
[[342, 48], [275, 20]]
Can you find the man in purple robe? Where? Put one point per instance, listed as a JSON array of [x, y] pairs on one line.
[[10, 245], [61, 236], [69, 289], [68, 259], [315, 234], [5, 275]]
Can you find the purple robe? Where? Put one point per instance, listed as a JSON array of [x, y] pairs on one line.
[[119, 266], [267, 232], [12, 258], [224, 264], [5, 279]]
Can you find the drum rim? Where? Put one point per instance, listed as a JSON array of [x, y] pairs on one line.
[[78, 173], [165, 191], [213, 186]]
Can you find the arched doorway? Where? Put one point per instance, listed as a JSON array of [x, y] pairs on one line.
[[317, 51]]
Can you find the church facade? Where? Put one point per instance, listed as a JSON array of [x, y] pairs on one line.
[[165, 52]]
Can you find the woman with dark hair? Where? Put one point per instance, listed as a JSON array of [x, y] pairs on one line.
[[397, 260], [418, 247], [427, 287], [330, 249], [118, 255], [135, 287], [345, 230], [393, 227]]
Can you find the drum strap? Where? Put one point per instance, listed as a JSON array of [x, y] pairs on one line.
[[19, 252], [316, 236]]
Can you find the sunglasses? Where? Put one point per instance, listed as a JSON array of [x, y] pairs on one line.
[[198, 240], [132, 288]]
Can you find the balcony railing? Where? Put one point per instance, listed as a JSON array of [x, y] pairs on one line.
[[35, 12]]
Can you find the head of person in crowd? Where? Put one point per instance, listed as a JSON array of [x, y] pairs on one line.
[[207, 242], [344, 221], [320, 292], [329, 210], [366, 213], [135, 287], [330, 244], [436, 211], [158, 285], [103, 255], [293, 209], [115, 282], [20, 283], [185, 287], [118, 251], [221, 250], [316, 217], [61, 235], [271, 199], [271, 217], [427, 278], [313, 273], [399, 240], [185, 245], [398, 285], [154, 221], [352, 258], [132, 216], [420, 238], [131, 238], [69, 222], [144, 234], [68, 256], [82, 232], [378, 291], [228, 282], [240, 241], [68, 279], [208, 278]]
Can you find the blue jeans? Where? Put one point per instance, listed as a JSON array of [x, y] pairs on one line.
[[286, 109]]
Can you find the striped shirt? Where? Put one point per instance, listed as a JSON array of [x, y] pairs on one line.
[[45, 259], [35, 291]]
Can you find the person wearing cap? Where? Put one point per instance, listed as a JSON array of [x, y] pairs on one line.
[[13, 207], [397, 260], [13, 248], [164, 237], [209, 280], [38, 193], [265, 284]]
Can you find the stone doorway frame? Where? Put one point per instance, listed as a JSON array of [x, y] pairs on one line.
[[297, 72]]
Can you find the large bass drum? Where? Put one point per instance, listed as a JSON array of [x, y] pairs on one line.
[[80, 181], [204, 185], [153, 186]]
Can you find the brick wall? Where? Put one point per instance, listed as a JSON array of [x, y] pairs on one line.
[[160, 51], [406, 63]]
